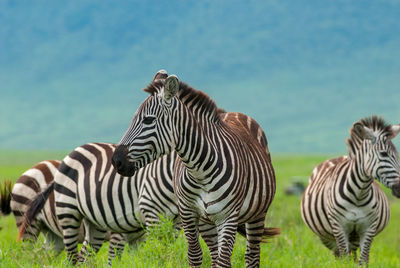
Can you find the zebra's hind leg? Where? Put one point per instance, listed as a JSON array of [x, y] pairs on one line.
[[254, 233], [70, 221], [209, 233], [94, 238]]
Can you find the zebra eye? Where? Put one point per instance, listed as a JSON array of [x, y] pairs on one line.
[[384, 154], [148, 120]]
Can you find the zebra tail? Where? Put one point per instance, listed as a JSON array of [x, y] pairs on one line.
[[5, 197], [34, 207], [268, 232]]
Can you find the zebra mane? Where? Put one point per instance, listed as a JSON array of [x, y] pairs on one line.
[[376, 124], [189, 96]]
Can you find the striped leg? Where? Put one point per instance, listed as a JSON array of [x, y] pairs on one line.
[[70, 220], [366, 238], [190, 226], [254, 233], [226, 240], [94, 239], [209, 233], [71, 227], [341, 237], [116, 247]]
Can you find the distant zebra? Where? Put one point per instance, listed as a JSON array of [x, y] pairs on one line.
[[18, 200], [343, 204], [88, 188], [224, 176]]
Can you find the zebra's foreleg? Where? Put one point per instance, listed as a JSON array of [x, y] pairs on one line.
[[209, 233], [365, 244], [116, 247], [254, 233], [190, 221], [341, 237], [226, 240]]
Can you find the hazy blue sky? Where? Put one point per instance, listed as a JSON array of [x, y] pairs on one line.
[[72, 71]]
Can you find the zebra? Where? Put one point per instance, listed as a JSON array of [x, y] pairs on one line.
[[29, 184], [18, 200], [223, 176], [343, 204], [88, 188]]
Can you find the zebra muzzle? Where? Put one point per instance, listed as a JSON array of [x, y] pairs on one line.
[[120, 161]]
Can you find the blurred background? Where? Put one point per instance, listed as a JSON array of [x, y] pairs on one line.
[[72, 72]]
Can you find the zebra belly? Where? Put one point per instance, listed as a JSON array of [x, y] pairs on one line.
[[117, 215], [117, 222]]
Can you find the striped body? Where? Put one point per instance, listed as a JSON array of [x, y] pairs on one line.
[[224, 176], [343, 204], [87, 187], [32, 183]]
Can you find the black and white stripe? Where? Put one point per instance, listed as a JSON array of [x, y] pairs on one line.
[[343, 204], [88, 187], [31, 184], [224, 176]]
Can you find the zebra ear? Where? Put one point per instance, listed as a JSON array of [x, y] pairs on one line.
[[171, 87], [395, 131], [161, 74], [365, 132]]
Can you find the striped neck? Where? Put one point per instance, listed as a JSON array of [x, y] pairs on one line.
[[196, 142], [357, 179]]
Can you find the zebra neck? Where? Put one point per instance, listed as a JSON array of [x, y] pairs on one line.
[[196, 147], [359, 183]]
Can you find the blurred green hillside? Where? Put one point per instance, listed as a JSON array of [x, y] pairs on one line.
[[72, 72]]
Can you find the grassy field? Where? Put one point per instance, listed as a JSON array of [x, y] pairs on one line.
[[297, 246]]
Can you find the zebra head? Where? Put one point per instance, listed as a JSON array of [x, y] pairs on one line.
[[150, 133], [377, 152]]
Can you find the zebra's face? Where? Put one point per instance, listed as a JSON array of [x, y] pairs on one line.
[[381, 159], [150, 134]]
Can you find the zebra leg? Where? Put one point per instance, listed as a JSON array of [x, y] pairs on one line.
[[94, 238], [209, 233], [254, 233], [70, 222], [341, 236], [190, 221], [365, 244], [116, 247], [226, 240]]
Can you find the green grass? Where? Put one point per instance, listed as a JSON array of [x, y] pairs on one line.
[[297, 246]]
